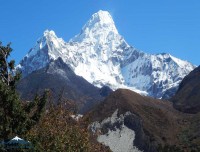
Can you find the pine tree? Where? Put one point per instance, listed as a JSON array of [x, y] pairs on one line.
[[7, 68], [16, 117]]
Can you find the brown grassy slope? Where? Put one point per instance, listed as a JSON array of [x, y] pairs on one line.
[[161, 122]]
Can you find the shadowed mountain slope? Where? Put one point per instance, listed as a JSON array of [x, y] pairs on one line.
[[61, 80], [187, 98]]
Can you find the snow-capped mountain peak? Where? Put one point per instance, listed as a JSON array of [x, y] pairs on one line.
[[48, 47], [101, 19], [49, 39], [102, 56], [49, 33], [100, 27]]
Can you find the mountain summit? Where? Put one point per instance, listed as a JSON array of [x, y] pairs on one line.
[[103, 57], [98, 28]]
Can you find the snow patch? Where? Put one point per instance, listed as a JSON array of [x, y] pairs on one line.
[[77, 117], [17, 138], [119, 139]]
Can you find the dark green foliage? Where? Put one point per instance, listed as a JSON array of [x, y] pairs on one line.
[[16, 117], [7, 74], [11, 114], [56, 131]]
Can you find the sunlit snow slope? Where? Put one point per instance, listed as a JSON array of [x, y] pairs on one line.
[[102, 56]]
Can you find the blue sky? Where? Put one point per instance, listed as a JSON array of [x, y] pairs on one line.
[[171, 26]]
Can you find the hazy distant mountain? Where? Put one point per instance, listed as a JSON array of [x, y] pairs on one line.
[[103, 57], [187, 98]]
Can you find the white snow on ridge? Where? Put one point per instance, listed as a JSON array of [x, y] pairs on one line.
[[102, 56], [97, 28], [181, 63]]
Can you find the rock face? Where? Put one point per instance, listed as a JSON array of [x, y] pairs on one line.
[[103, 57], [187, 98], [145, 121], [63, 83], [122, 133]]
